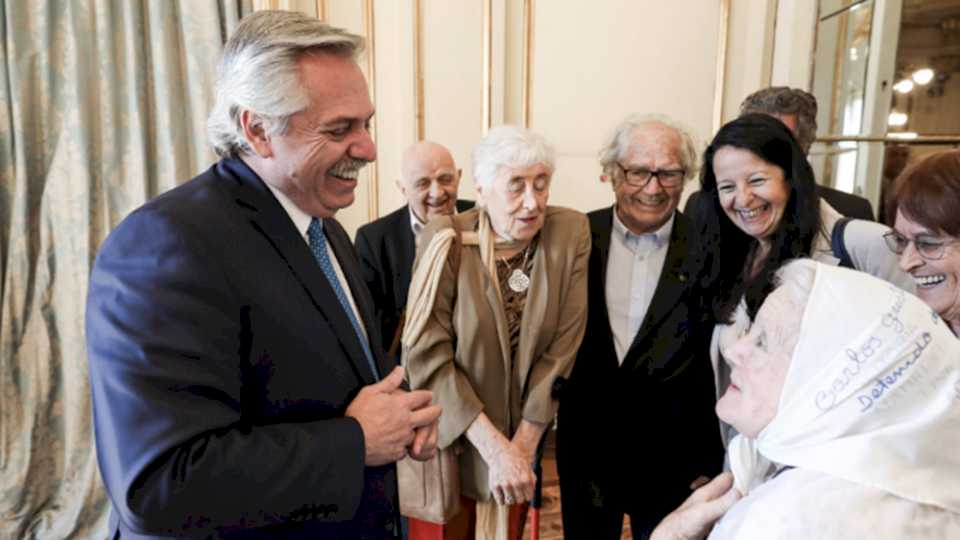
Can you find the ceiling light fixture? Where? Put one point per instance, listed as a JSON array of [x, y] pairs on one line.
[[922, 76], [904, 86], [897, 119]]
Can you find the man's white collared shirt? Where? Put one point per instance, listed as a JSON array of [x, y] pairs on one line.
[[301, 220], [415, 224], [633, 271]]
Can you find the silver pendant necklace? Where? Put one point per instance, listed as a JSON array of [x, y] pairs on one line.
[[519, 281]]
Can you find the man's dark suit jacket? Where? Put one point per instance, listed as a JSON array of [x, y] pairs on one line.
[[387, 248], [222, 364], [636, 435], [847, 204]]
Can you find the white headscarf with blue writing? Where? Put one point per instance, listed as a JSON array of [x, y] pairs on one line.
[[872, 395]]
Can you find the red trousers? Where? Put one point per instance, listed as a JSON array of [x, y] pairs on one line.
[[463, 526]]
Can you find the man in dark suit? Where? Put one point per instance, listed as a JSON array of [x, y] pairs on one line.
[[429, 181], [798, 110], [636, 424], [238, 390]]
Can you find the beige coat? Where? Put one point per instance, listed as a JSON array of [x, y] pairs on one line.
[[463, 355]]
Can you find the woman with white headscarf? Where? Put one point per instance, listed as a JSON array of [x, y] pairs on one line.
[[850, 389], [760, 208]]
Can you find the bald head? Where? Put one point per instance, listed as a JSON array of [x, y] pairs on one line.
[[429, 180]]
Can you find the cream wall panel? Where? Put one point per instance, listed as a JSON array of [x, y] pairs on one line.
[[396, 121], [513, 63], [749, 52], [498, 33], [794, 43], [596, 62], [453, 79]]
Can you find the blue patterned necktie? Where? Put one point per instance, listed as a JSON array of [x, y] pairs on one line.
[[318, 245]]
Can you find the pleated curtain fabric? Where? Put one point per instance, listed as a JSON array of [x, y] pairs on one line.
[[103, 105]]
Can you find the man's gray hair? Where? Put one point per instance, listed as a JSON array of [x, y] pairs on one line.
[[259, 72], [786, 100], [618, 142], [509, 146]]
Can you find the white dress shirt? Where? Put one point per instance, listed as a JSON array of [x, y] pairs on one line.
[[415, 224], [633, 270], [301, 220]]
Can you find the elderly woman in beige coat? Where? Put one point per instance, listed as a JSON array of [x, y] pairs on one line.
[[497, 311]]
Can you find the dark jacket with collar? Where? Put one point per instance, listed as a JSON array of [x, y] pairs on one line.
[[221, 366], [387, 247], [639, 433]]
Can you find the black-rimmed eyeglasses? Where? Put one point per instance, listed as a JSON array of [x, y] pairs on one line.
[[640, 176], [928, 247]]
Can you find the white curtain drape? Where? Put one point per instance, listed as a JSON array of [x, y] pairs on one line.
[[102, 106]]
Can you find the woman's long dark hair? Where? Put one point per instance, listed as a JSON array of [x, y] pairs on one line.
[[721, 256]]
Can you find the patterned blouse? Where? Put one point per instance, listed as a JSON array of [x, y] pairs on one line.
[[513, 301]]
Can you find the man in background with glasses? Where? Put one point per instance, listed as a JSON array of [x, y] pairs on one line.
[[635, 370]]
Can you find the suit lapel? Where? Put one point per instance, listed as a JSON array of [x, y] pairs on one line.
[[670, 286], [463, 206], [602, 228], [405, 251], [270, 220], [499, 319], [492, 294], [534, 310]]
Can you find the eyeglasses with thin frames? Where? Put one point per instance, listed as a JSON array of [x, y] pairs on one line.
[[928, 247], [640, 176]]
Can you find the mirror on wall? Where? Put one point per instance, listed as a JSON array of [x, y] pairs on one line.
[[926, 83], [915, 106], [839, 84], [926, 97]]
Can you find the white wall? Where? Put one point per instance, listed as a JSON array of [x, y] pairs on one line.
[[749, 62], [595, 63], [793, 46]]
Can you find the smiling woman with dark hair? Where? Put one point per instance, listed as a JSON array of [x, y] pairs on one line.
[[759, 209], [925, 199]]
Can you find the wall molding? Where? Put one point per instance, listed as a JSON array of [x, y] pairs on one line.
[[373, 197], [487, 79], [719, 82], [527, 67], [419, 104]]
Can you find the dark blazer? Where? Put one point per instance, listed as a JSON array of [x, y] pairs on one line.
[[386, 247], [847, 204], [636, 435], [221, 365]]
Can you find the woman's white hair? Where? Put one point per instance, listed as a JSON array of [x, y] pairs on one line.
[[618, 141], [796, 278], [509, 146], [259, 72]]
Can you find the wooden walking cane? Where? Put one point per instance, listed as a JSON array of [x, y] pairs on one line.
[[537, 500]]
